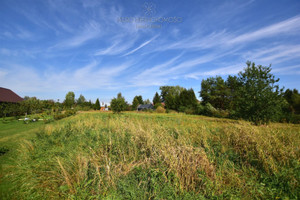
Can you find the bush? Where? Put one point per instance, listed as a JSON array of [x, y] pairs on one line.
[[209, 110], [148, 110], [3, 150], [200, 109], [181, 109], [67, 113], [59, 116], [221, 113], [160, 109], [158, 105], [70, 112], [190, 111], [171, 111], [295, 119]]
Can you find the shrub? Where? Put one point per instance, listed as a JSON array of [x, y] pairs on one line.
[[160, 109], [190, 111], [70, 112], [181, 109], [148, 110], [295, 119], [220, 113], [209, 109], [158, 105], [59, 116], [171, 111], [3, 150], [67, 113], [200, 109]]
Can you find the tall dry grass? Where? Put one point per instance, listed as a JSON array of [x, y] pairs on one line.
[[146, 156]]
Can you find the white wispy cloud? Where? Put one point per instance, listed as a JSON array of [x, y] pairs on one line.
[[23, 33], [155, 75], [20, 78], [17, 33], [141, 46], [8, 52], [33, 16], [289, 26], [290, 70], [116, 48], [226, 40], [89, 32], [273, 54], [91, 76], [228, 70], [173, 69], [2, 73]]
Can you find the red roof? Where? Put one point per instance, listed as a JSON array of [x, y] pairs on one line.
[[6, 95]]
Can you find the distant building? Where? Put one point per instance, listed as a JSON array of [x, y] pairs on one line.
[[145, 107], [103, 106], [8, 96]]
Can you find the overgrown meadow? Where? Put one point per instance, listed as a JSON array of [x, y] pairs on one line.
[[156, 156]]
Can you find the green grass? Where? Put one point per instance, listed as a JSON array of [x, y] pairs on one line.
[[12, 134], [150, 156]]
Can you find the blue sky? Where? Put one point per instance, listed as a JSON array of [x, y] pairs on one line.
[[99, 48]]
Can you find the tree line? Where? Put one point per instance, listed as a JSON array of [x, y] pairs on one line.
[[253, 95], [33, 105]]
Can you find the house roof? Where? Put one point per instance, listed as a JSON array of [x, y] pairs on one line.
[[145, 106], [6, 95]]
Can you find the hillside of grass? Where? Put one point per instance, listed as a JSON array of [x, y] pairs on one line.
[[12, 135], [156, 156]]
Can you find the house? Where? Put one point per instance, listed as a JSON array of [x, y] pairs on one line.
[[8, 96], [103, 107], [145, 107]]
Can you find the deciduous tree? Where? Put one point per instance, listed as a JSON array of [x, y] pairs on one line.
[[80, 100], [70, 99], [260, 99], [118, 104]]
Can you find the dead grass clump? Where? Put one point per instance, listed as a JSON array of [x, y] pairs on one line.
[[186, 162]]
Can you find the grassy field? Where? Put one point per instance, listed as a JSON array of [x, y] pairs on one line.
[[12, 134], [149, 156]]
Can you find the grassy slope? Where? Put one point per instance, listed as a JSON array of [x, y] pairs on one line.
[[12, 133], [156, 156]]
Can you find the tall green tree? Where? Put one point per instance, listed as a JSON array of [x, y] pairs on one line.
[[293, 99], [135, 103], [170, 95], [173, 90], [147, 101], [156, 99], [140, 99], [69, 100], [171, 101], [97, 105], [81, 100], [260, 99], [215, 92], [188, 99], [233, 84], [118, 104]]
